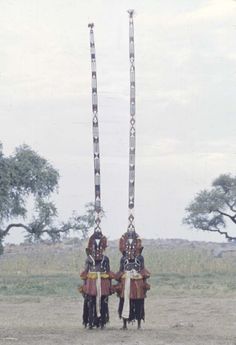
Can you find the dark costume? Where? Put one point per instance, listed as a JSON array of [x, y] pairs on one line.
[[97, 276], [132, 278], [97, 283]]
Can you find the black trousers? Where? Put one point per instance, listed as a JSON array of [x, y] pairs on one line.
[[90, 311], [136, 309]]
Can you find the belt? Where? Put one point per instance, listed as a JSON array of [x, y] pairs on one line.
[[133, 275], [93, 275]]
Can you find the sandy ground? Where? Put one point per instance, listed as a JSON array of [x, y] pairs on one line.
[[169, 320]]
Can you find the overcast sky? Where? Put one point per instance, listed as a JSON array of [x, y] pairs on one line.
[[186, 123]]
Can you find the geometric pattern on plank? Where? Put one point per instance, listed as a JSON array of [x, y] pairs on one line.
[[132, 131], [96, 151]]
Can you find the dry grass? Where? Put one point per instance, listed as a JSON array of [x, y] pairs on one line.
[[176, 269]]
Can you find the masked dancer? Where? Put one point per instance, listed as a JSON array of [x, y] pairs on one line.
[[132, 274], [97, 275]]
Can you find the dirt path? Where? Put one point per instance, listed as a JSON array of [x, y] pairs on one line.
[[175, 320]]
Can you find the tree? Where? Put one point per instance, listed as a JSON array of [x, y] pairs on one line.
[[45, 223], [22, 175], [211, 209], [85, 222], [26, 175]]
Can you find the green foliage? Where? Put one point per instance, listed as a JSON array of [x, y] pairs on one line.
[[43, 220], [26, 174], [85, 222], [22, 174], [32, 173], [211, 208]]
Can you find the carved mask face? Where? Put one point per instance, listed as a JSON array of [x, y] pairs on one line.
[[130, 250], [97, 245], [130, 245], [97, 249]]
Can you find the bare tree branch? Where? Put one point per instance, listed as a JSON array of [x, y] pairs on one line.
[[225, 233], [231, 207], [227, 215], [14, 225]]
